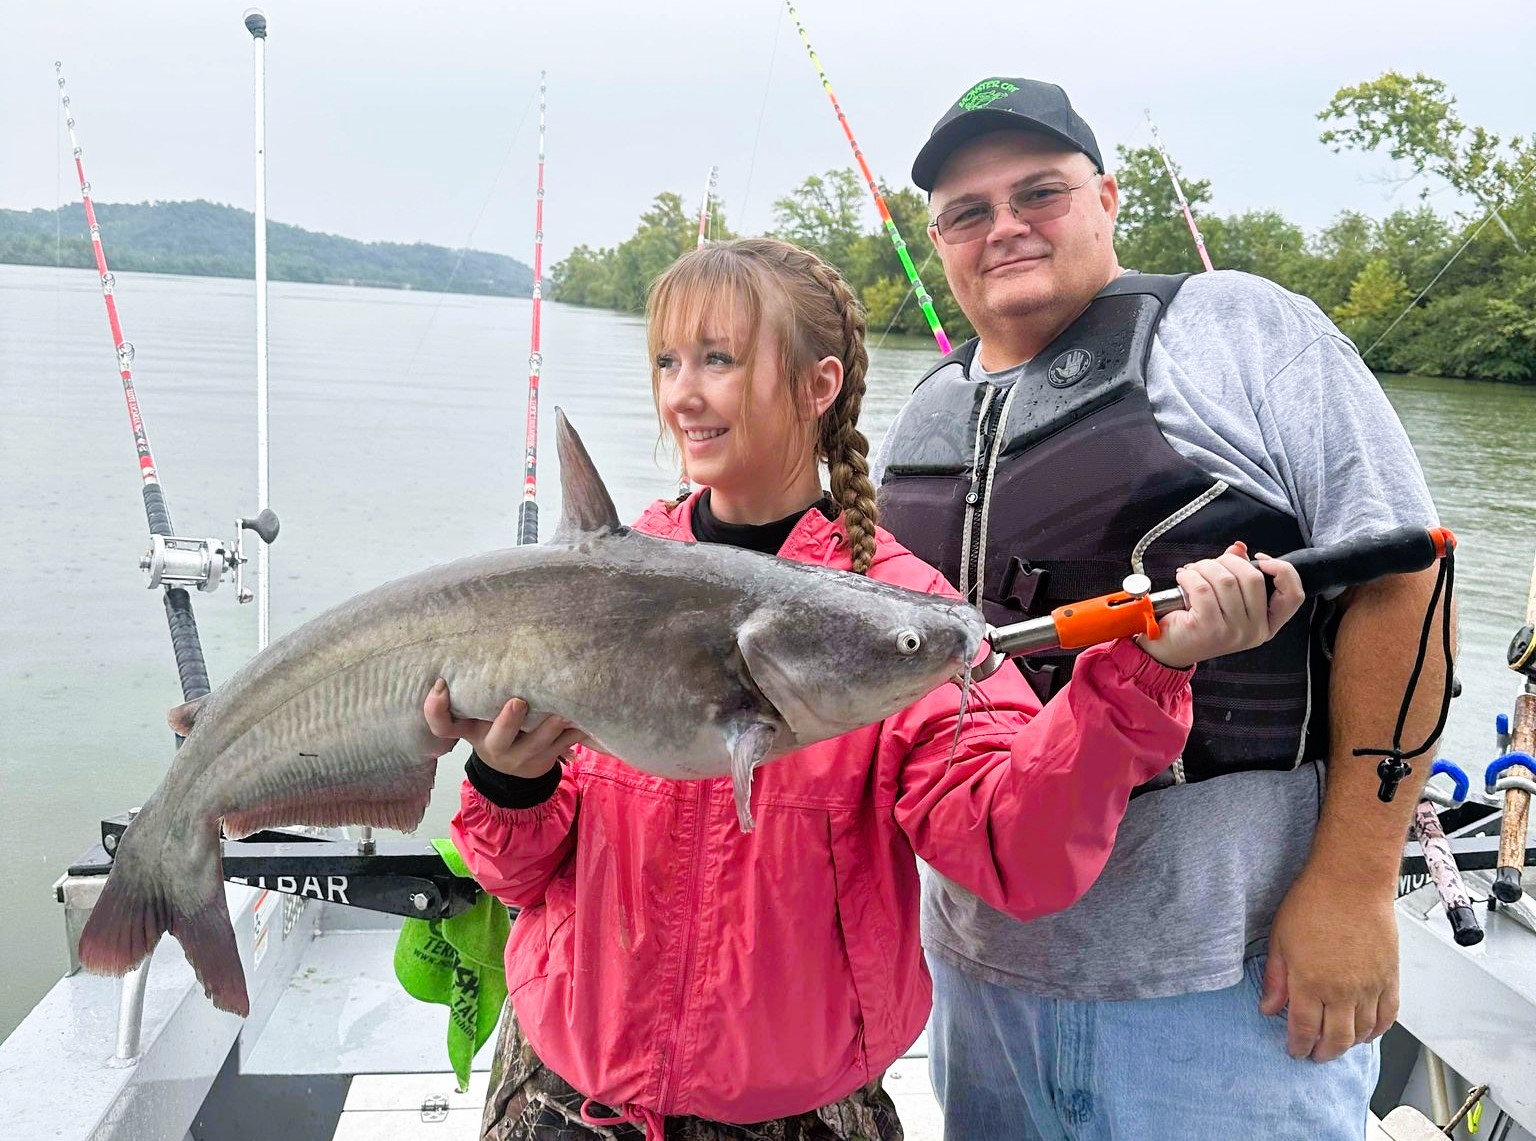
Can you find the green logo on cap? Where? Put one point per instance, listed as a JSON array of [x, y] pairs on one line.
[[987, 91]]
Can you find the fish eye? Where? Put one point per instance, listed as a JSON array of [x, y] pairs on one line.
[[908, 641]]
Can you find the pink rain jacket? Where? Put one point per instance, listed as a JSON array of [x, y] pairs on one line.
[[665, 962]]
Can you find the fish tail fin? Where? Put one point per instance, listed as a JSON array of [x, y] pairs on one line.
[[145, 897]]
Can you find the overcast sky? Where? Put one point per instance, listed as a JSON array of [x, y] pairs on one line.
[[401, 121]]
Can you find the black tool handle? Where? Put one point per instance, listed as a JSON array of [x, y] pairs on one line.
[[1355, 561]]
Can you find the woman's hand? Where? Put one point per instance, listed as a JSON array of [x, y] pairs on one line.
[[501, 743], [1227, 611]]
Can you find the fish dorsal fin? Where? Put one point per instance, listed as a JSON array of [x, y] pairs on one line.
[[587, 509], [182, 717]]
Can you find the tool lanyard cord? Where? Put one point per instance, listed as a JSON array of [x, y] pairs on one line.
[[1394, 767]]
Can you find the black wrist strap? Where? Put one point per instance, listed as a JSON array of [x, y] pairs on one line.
[[508, 791]]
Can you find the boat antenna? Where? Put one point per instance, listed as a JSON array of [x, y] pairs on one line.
[[256, 24], [172, 562], [924, 299], [528, 512], [1178, 191]]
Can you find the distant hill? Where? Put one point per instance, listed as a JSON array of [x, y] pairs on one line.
[[210, 240]]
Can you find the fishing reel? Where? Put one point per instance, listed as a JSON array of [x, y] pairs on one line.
[[172, 561], [1521, 654]]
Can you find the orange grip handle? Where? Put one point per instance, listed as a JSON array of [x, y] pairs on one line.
[[1104, 619]]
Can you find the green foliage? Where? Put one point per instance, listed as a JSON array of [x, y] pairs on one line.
[[1376, 297], [618, 278], [1416, 121], [825, 213], [1479, 320], [211, 240], [1151, 234]]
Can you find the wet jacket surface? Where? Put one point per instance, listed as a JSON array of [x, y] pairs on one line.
[[668, 963]]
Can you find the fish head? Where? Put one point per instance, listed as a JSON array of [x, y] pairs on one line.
[[849, 652]]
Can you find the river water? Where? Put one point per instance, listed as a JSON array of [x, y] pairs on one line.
[[397, 439]]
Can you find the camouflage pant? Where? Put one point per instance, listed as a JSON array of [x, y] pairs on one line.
[[528, 1101]]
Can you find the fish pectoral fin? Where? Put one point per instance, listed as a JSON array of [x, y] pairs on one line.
[[750, 743], [586, 508], [182, 717], [773, 681]]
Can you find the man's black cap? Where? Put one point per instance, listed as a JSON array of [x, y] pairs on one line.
[[997, 104]]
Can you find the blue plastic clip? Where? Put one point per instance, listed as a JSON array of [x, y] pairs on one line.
[[1501, 724], [1456, 774], [1508, 760]]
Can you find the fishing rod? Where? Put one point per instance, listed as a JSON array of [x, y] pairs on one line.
[[1135, 609], [528, 512], [172, 562], [1514, 773], [709, 194], [1178, 190], [924, 299], [1440, 859], [1472, 237]]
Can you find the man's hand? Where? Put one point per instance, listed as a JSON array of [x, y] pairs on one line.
[[1227, 611], [1333, 959], [501, 743]]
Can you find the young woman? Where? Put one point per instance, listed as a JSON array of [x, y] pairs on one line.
[[672, 972]]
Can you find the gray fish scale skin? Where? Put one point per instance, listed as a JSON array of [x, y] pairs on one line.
[[630, 638]]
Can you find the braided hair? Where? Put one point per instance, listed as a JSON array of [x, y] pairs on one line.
[[817, 316]]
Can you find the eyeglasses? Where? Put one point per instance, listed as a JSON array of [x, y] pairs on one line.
[[972, 221]]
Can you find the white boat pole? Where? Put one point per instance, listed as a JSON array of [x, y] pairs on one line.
[[256, 24]]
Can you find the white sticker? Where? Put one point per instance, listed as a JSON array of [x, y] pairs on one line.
[[261, 925]]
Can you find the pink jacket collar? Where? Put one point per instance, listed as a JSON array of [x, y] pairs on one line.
[[815, 539]]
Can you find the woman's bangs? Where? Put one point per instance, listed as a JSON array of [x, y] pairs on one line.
[[705, 296]]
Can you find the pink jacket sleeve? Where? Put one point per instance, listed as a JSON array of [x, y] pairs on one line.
[[1025, 812], [515, 852]]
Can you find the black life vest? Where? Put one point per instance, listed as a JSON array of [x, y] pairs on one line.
[[1035, 495]]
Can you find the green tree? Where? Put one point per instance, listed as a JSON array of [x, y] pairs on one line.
[[875, 271], [1261, 242], [1376, 297], [1151, 234], [619, 278], [1417, 122], [824, 213]]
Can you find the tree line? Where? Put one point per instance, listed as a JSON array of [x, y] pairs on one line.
[[212, 240], [1476, 319]]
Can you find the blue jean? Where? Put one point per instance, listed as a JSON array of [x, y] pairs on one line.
[[1008, 1066]]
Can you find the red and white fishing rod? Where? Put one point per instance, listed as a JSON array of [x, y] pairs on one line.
[[709, 195], [528, 512], [1178, 190]]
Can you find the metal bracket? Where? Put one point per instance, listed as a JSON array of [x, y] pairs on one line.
[[401, 877]]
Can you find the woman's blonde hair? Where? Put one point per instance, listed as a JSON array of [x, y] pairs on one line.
[[815, 314]]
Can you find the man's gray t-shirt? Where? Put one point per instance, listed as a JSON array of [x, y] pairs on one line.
[[1256, 386]]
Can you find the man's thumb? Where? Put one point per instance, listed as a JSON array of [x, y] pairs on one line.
[[1273, 1000]]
